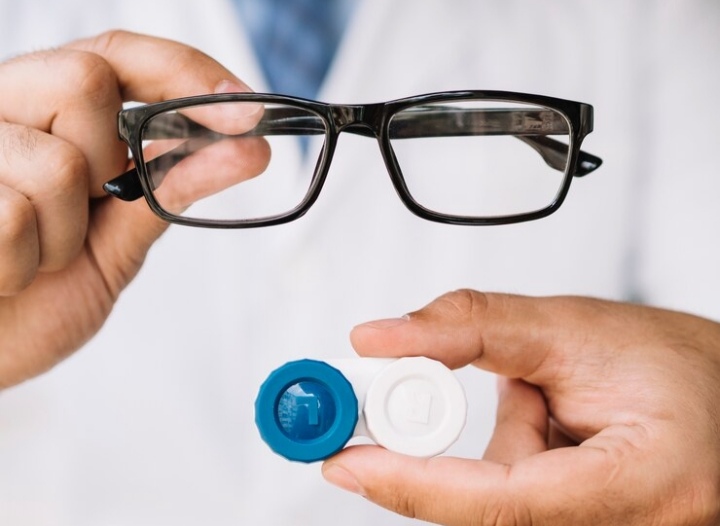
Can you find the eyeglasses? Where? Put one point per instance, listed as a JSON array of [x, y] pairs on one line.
[[248, 160]]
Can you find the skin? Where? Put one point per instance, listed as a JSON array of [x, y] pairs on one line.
[[67, 250], [607, 414]]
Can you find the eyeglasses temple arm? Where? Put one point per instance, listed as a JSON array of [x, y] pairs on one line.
[[127, 186], [554, 153], [530, 126]]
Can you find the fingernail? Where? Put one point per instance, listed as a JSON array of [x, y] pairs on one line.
[[339, 476], [387, 323], [231, 86], [237, 111]]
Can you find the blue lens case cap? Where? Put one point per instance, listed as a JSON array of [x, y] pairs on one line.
[[306, 410]]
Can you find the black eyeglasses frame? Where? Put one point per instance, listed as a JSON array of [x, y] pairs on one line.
[[372, 120]]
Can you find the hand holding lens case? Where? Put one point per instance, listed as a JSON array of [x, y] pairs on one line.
[[308, 410]]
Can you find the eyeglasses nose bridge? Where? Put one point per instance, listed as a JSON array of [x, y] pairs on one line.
[[356, 117]]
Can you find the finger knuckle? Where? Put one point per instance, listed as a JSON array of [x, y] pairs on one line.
[[17, 226], [511, 514], [188, 61], [17, 216], [66, 169], [90, 77], [403, 504], [463, 303], [105, 42], [17, 140]]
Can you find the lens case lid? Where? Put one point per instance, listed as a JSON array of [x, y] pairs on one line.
[[415, 406], [306, 410]]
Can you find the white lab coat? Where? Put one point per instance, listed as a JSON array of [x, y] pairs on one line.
[[152, 422]]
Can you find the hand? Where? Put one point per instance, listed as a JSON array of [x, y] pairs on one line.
[[607, 414], [66, 252]]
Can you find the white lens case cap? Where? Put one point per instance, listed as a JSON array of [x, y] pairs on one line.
[[415, 406]]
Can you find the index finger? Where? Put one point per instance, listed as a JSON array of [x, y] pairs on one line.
[[152, 69], [502, 333], [537, 339]]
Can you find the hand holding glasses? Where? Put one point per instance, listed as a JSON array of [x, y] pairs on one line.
[[461, 157]]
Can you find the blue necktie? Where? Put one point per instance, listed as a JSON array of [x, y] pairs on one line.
[[295, 40]]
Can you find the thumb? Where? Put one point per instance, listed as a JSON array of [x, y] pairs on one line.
[[119, 237], [435, 489], [559, 487], [122, 232]]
